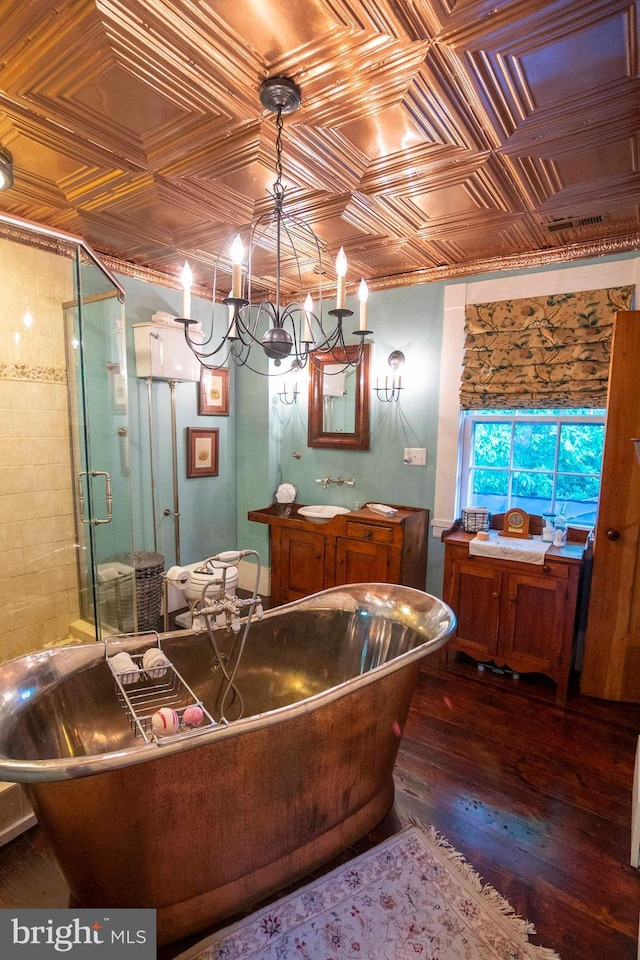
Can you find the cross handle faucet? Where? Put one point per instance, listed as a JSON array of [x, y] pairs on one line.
[[339, 480]]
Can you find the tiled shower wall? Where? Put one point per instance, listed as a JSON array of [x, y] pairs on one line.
[[38, 577]]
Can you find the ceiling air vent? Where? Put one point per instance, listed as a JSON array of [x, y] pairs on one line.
[[556, 225]]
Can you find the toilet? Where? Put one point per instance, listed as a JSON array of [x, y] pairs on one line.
[[193, 591]]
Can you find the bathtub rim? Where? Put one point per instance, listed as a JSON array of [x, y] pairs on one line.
[[69, 768]]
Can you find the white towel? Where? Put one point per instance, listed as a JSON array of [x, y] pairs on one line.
[[155, 663], [509, 548], [124, 666]]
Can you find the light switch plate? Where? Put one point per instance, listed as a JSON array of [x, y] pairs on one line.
[[415, 456]]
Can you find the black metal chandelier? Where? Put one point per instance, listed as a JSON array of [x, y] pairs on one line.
[[285, 323]]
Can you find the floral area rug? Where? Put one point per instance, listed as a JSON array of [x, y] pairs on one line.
[[413, 896]]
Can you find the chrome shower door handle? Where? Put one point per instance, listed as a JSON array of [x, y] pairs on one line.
[[108, 497], [80, 494]]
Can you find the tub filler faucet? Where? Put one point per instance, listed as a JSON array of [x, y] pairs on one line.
[[224, 611], [222, 606]]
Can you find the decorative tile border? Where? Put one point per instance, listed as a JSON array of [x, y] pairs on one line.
[[34, 372]]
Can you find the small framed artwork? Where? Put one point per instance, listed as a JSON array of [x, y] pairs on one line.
[[213, 392], [202, 452]]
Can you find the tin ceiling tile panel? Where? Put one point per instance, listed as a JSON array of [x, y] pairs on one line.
[[435, 138]]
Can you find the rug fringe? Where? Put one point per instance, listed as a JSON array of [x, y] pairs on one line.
[[488, 893]]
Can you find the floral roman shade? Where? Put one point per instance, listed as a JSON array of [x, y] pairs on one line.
[[540, 351]]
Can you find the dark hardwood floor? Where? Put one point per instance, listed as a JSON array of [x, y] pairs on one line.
[[535, 794]]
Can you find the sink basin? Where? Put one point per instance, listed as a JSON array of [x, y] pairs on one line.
[[322, 511]]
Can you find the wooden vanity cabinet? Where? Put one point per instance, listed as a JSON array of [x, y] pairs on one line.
[[518, 615], [358, 547]]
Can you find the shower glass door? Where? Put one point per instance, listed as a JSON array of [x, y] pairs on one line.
[[96, 363]]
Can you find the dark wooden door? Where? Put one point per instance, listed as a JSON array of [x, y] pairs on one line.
[[611, 666]]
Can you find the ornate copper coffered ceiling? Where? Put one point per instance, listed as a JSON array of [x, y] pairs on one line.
[[435, 138]]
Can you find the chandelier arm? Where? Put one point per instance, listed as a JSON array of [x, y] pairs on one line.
[[194, 345], [203, 361], [340, 352]]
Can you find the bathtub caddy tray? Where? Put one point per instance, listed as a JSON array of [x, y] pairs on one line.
[[143, 692]]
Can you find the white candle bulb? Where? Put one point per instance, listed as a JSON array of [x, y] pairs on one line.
[[187, 278], [231, 332], [237, 252], [363, 294], [341, 270], [308, 308]]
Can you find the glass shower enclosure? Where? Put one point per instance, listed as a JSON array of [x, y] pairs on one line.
[[65, 513], [97, 372]]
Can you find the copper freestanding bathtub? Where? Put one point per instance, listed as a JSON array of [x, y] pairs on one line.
[[206, 823]]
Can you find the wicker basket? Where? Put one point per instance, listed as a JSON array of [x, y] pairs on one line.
[[474, 519], [117, 595]]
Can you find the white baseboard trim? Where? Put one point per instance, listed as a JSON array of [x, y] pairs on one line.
[[16, 814], [247, 578], [10, 833]]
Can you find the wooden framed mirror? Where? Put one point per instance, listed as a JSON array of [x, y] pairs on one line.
[[339, 400]]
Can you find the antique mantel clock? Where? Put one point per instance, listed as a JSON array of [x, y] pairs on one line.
[[516, 524]]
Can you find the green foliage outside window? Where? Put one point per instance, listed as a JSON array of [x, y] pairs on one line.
[[541, 463]]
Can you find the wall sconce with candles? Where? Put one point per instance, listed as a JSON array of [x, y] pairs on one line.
[[390, 392], [287, 397]]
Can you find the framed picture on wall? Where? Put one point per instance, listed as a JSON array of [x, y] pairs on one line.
[[202, 452], [213, 392]]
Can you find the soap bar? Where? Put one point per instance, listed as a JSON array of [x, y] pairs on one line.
[[383, 509], [482, 535]]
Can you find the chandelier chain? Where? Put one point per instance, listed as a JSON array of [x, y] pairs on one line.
[[278, 190]]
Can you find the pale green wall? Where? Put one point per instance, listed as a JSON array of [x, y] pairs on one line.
[[408, 319], [255, 474], [207, 504]]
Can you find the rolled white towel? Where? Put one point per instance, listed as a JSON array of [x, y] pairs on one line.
[[124, 666], [155, 662]]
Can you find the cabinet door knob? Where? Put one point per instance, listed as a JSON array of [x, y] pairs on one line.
[[495, 596], [546, 568], [613, 534], [368, 534], [318, 556]]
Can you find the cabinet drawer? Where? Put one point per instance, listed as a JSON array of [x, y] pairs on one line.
[[550, 568], [364, 531]]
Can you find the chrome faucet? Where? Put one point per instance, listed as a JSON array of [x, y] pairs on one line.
[[339, 480]]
